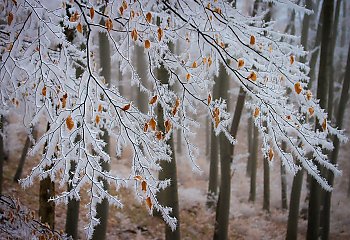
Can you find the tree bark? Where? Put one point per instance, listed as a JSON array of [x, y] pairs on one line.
[[2, 153], [250, 145], [284, 200], [46, 192], [169, 196], [226, 154], [322, 92], [293, 216], [334, 155], [142, 97], [255, 145]]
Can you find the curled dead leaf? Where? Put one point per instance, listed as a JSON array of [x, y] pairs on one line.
[[138, 177], [252, 40], [10, 18], [149, 203], [167, 125], [252, 76], [97, 119], [134, 34], [256, 112], [149, 17], [159, 135], [79, 28], [152, 123], [69, 122], [308, 95], [153, 99], [291, 59], [188, 76], [92, 12], [147, 44], [324, 124], [194, 64], [43, 91], [126, 107], [100, 108], [298, 88], [160, 34], [240, 63], [144, 186], [109, 24], [145, 127], [209, 98]]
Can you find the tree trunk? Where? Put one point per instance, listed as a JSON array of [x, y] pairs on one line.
[[142, 97], [250, 145], [255, 145], [47, 191], [293, 216], [283, 182], [331, 60], [322, 92], [334, 156], [102, 208], [214, 156], [168, 196], [266, 203], [226, 154], [2, 153]]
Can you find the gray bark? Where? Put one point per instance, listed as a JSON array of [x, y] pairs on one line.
[[322, 92], [254, 159]]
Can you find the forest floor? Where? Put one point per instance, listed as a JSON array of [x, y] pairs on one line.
[[247, 219]]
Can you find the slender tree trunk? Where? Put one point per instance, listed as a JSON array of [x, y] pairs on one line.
[[207, 135], [266, 203], [226, 154], [46, 192], [284, 199], [322, 92], [72, 217], [293, 216], [102, 208], [2, 153], [255, 145], [214, 157], [169, 196], [250, 145], [334, 155], [142, 97], [331, 60]]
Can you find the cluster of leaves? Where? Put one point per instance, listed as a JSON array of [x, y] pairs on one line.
[[38, 77], [17, 222]]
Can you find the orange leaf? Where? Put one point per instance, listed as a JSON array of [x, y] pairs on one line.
[[256, 112], [97, 119], [194, 64], [100, 108], [204, 60], [92, 12], [288, 117], [147, 44], [126, 107], [74, 17], [167, 125], [210, 61], [217, 121], [159, 135], [177, 102], [308, 95], [138, 177], [188, 76], [144, 186], [134, 34], [132, 14], [252, 40], [149, 203], [240, 63], [298, 88], [324, 124], [209, 99], [252, 76], [152, 123], [311, 110], [121, 10], [145, 127], [125, 5], [149, 17], [69, 122], [153, 99], [79, 28], [291, 59], [43, 91], [10, 18], [271, 153], [160, 34], [109, 24]]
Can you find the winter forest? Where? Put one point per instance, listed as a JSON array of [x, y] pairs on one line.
[[164, 119]]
